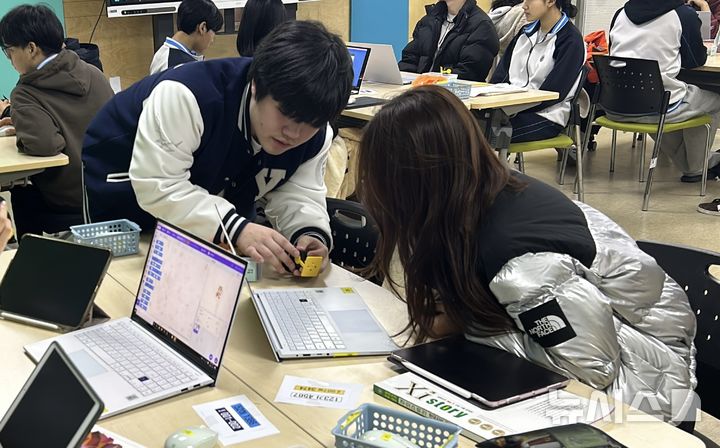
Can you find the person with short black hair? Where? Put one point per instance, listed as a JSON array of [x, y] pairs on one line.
[[259, 18], [202, 143], [454, 35], [52, 104], [197, 23]]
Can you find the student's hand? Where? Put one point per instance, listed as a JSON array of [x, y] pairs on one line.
[[7, 122], [6, 231], [314, 247], [700, 5], [4, 105], [265, 245]]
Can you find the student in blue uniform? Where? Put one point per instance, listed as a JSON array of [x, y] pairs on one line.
[[197, 22], [224, 135], [548, 55]]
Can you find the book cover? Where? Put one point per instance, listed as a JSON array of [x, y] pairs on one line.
[[429, 400]]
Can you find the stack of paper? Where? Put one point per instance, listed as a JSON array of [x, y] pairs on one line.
[[496, 89]]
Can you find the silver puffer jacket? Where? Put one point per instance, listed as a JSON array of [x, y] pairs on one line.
[[634, 326]]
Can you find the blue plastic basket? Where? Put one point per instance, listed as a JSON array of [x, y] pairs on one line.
[[121, 236], [421, 431]]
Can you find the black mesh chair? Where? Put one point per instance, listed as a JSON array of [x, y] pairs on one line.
[[354, 235], [634, 87], [690, 268]]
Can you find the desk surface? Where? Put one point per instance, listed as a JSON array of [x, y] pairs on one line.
[[711, 65], [11, 161], [151, 424], [476, 103], [250, 358]]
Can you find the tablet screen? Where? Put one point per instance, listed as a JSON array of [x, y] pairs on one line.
[[54, 408], [52, 280]]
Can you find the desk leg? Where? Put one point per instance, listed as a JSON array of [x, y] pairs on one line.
[[497, 129]]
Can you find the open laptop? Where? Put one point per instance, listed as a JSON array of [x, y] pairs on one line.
[[175, 338], [383, 67], [55, 407], [359, 56], [319, 322]]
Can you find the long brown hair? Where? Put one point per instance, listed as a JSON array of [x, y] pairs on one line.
[[427, 176]]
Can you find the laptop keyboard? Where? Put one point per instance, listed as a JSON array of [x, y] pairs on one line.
[[305, 326], [134, 356]]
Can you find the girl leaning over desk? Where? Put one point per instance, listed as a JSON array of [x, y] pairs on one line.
[[513, 263]]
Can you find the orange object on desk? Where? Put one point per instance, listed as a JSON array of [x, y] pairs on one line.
[[424, 80]]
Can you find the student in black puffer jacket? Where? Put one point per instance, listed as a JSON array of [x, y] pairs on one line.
[[456, 35]]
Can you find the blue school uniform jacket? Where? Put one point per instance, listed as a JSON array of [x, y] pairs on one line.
[[177, 144]]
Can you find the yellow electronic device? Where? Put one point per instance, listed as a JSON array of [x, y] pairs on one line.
[[309, 265]]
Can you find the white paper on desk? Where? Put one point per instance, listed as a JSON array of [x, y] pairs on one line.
[[235, 419], [496, 89], [364, 91], [309, 392]]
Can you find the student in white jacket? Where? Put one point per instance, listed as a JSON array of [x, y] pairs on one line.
[[548, 55]]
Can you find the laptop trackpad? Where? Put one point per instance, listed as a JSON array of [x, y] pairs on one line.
[[354, 321], [86, 364]]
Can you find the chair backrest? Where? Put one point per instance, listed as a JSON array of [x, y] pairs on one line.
[[354, 234], [575, 117], [630, 86], [690, 269]]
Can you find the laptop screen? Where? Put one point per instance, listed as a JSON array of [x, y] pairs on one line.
[[359, 56], [188, 294], [54, 408]]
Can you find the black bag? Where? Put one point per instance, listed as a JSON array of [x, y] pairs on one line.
[[89, 53]]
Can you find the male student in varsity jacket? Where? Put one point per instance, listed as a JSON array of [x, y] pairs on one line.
[[224, 134]]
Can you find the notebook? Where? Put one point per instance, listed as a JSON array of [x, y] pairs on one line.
[[485, 375], [55, 407], [175, 338], [319, 322], [52, 283]]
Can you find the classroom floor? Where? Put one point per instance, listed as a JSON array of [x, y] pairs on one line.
[[671, 216]]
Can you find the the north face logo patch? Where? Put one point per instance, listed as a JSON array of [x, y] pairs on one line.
[[547, 325]]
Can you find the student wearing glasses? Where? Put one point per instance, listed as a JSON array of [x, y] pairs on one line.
[[455, 35], [197, 22], [55, 98]]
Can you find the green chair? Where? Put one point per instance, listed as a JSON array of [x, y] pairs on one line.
[[629, 87], [567, 140]]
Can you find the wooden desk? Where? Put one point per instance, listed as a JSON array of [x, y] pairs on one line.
[[151, 424], [477, 103], [249, 357], [15, 165], [706, 76]]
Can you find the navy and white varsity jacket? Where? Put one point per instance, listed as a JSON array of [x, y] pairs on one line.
[[667, 31], [177, 144], [171, 54], [551, 62]]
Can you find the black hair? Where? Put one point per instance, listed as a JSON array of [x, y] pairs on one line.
[[192, 13], [500, 3], [259, 18], [567, 7], [32, 23], [306, 69]]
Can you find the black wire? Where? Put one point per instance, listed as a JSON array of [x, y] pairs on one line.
[[102, 8]]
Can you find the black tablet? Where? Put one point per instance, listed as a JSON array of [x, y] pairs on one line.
[[56, 406], [52, 283], [488, 376]]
